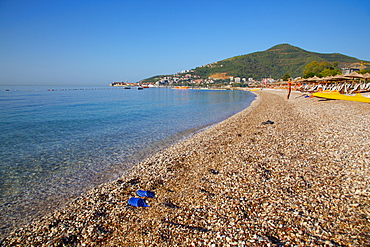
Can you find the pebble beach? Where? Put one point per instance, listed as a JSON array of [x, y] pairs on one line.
[[300, 179]]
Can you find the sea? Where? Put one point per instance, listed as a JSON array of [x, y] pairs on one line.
[[57, 142]]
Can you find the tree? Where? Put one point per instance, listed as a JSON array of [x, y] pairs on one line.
[[364, 71], [286, 77], [329, 72], [321, 69], [238, 84], [311, 69]]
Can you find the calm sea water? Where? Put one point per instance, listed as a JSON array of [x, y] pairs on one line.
[[57, 142]]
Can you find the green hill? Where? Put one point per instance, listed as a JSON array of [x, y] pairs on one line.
[[274, 62]]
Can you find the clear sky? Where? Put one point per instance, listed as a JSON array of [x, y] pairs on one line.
[[87, 42]]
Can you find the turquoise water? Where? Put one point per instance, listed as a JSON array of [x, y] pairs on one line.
[[56, 142]]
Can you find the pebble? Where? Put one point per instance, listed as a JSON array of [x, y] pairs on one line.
[[302, 181]]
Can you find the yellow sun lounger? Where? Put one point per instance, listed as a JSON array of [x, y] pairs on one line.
[[336, 95]]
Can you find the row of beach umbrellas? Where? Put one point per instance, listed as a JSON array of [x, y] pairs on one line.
[[351, 76]]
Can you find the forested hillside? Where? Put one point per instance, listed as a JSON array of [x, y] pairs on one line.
[[274, 63]]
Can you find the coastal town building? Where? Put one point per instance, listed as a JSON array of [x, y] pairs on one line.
[[349, 70]]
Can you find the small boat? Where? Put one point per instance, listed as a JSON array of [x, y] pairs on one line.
[[140, 88], [336, 95], [127, 88]]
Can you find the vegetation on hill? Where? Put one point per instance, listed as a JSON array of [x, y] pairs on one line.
[[321, 69], [276, 62], [365, 71]]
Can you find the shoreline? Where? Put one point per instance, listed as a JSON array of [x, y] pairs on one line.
[[302, 180], [70, 158]]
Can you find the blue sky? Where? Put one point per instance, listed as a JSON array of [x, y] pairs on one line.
[[63, 42]]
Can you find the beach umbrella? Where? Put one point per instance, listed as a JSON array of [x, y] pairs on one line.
[[327, 78], [354, 74], [366, 76], [340, 78], [302, 80], [313, 79]]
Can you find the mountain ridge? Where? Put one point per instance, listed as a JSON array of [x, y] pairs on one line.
[[274, 62]]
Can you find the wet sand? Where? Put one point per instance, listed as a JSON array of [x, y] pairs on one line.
[[302, 180]]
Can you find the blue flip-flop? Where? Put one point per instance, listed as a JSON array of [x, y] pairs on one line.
[[137, 202], [145, 193]]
